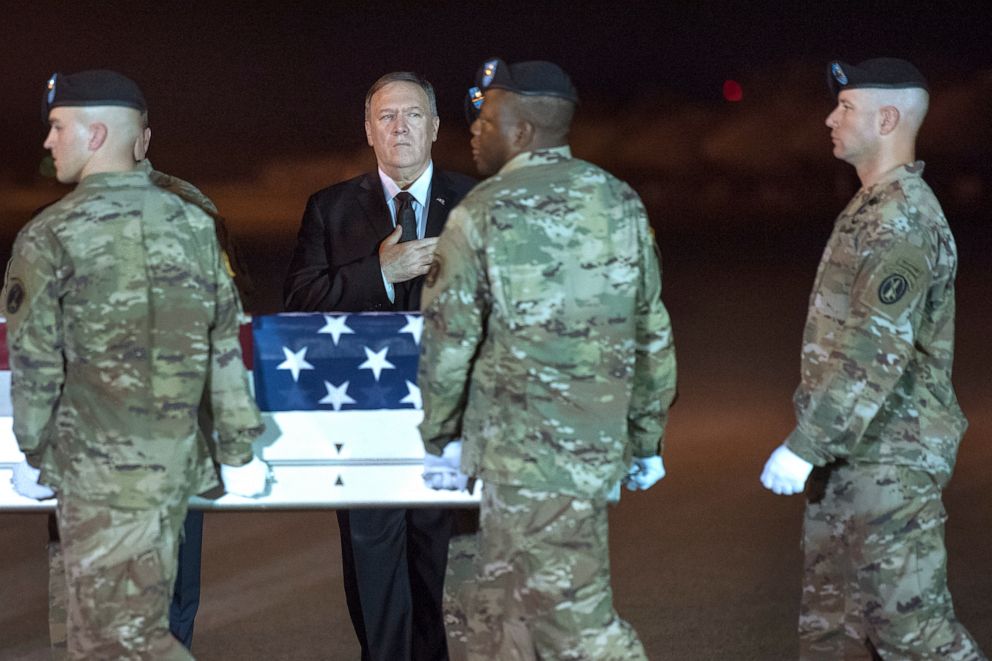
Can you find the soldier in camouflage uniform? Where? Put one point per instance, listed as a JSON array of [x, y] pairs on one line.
[[120, 317], [875, 408], [548, 351], [186, 591]]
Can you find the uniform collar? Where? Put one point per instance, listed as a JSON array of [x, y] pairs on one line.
[[136, 177], [537, 157], [912, 170]]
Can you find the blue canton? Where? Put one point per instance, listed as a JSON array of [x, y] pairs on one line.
[[336, 362]]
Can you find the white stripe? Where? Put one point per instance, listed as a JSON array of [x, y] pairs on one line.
[[5, 407], [379, 462]]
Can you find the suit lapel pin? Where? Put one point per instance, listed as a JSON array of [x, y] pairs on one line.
[[440, 200]]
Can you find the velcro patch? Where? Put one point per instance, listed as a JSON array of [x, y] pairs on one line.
[[903, 276], [15, 296], [893, 288]]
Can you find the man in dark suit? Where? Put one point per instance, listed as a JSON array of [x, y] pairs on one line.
[[365, 244]]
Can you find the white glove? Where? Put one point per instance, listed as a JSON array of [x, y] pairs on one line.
[[25, 481], [249, 480], [785, 472], [444, 472], [644, 473]]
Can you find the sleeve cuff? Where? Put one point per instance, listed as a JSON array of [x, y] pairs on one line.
[[34, 459], [642, 448], [238, 451], [436, 446], [807, 448], [390, 291]]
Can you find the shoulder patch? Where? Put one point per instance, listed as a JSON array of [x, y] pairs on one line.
[[15, 296], [911, 271], [893, 288]]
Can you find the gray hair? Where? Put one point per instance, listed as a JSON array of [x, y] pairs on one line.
[[401, 77]]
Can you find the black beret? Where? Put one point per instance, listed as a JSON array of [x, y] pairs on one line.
[[98, 87], [881, 72], [535, 78]]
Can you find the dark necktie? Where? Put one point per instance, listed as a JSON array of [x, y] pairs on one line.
[[406, 217]]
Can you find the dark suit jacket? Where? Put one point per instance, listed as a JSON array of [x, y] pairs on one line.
[[335, 266]]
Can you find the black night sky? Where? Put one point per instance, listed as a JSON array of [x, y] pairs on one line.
[[232, 84]]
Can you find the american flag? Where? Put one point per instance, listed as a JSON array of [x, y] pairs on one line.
[[337, 362], [339, 397]]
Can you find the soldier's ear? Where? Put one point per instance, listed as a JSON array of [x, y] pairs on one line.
[[523, 135], [98, 135], [889, 116], [141, 144]]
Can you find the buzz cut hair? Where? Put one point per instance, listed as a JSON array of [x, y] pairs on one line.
[[401, 77], [549, 114]]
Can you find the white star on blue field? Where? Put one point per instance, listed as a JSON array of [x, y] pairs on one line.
[[337, 362]]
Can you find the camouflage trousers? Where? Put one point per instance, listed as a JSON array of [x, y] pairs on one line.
[[119, 571], [57, 597], [541, 582], [875, 578], [459, 578]]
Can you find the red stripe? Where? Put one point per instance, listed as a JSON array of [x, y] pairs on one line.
[[246, 345]]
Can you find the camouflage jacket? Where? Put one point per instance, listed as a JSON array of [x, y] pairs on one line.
[[232, 255], [879, 337], [120, 314], [546, 345]]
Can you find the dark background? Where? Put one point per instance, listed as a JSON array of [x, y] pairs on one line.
[[236, 83], [262, 105]]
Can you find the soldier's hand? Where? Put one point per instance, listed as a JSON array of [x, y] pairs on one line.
[[249, 480], [404, 261], [644, 473], [25, 481], [785, 472], [445, 472]]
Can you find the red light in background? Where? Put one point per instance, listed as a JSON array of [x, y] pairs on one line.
[[732, 90]]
